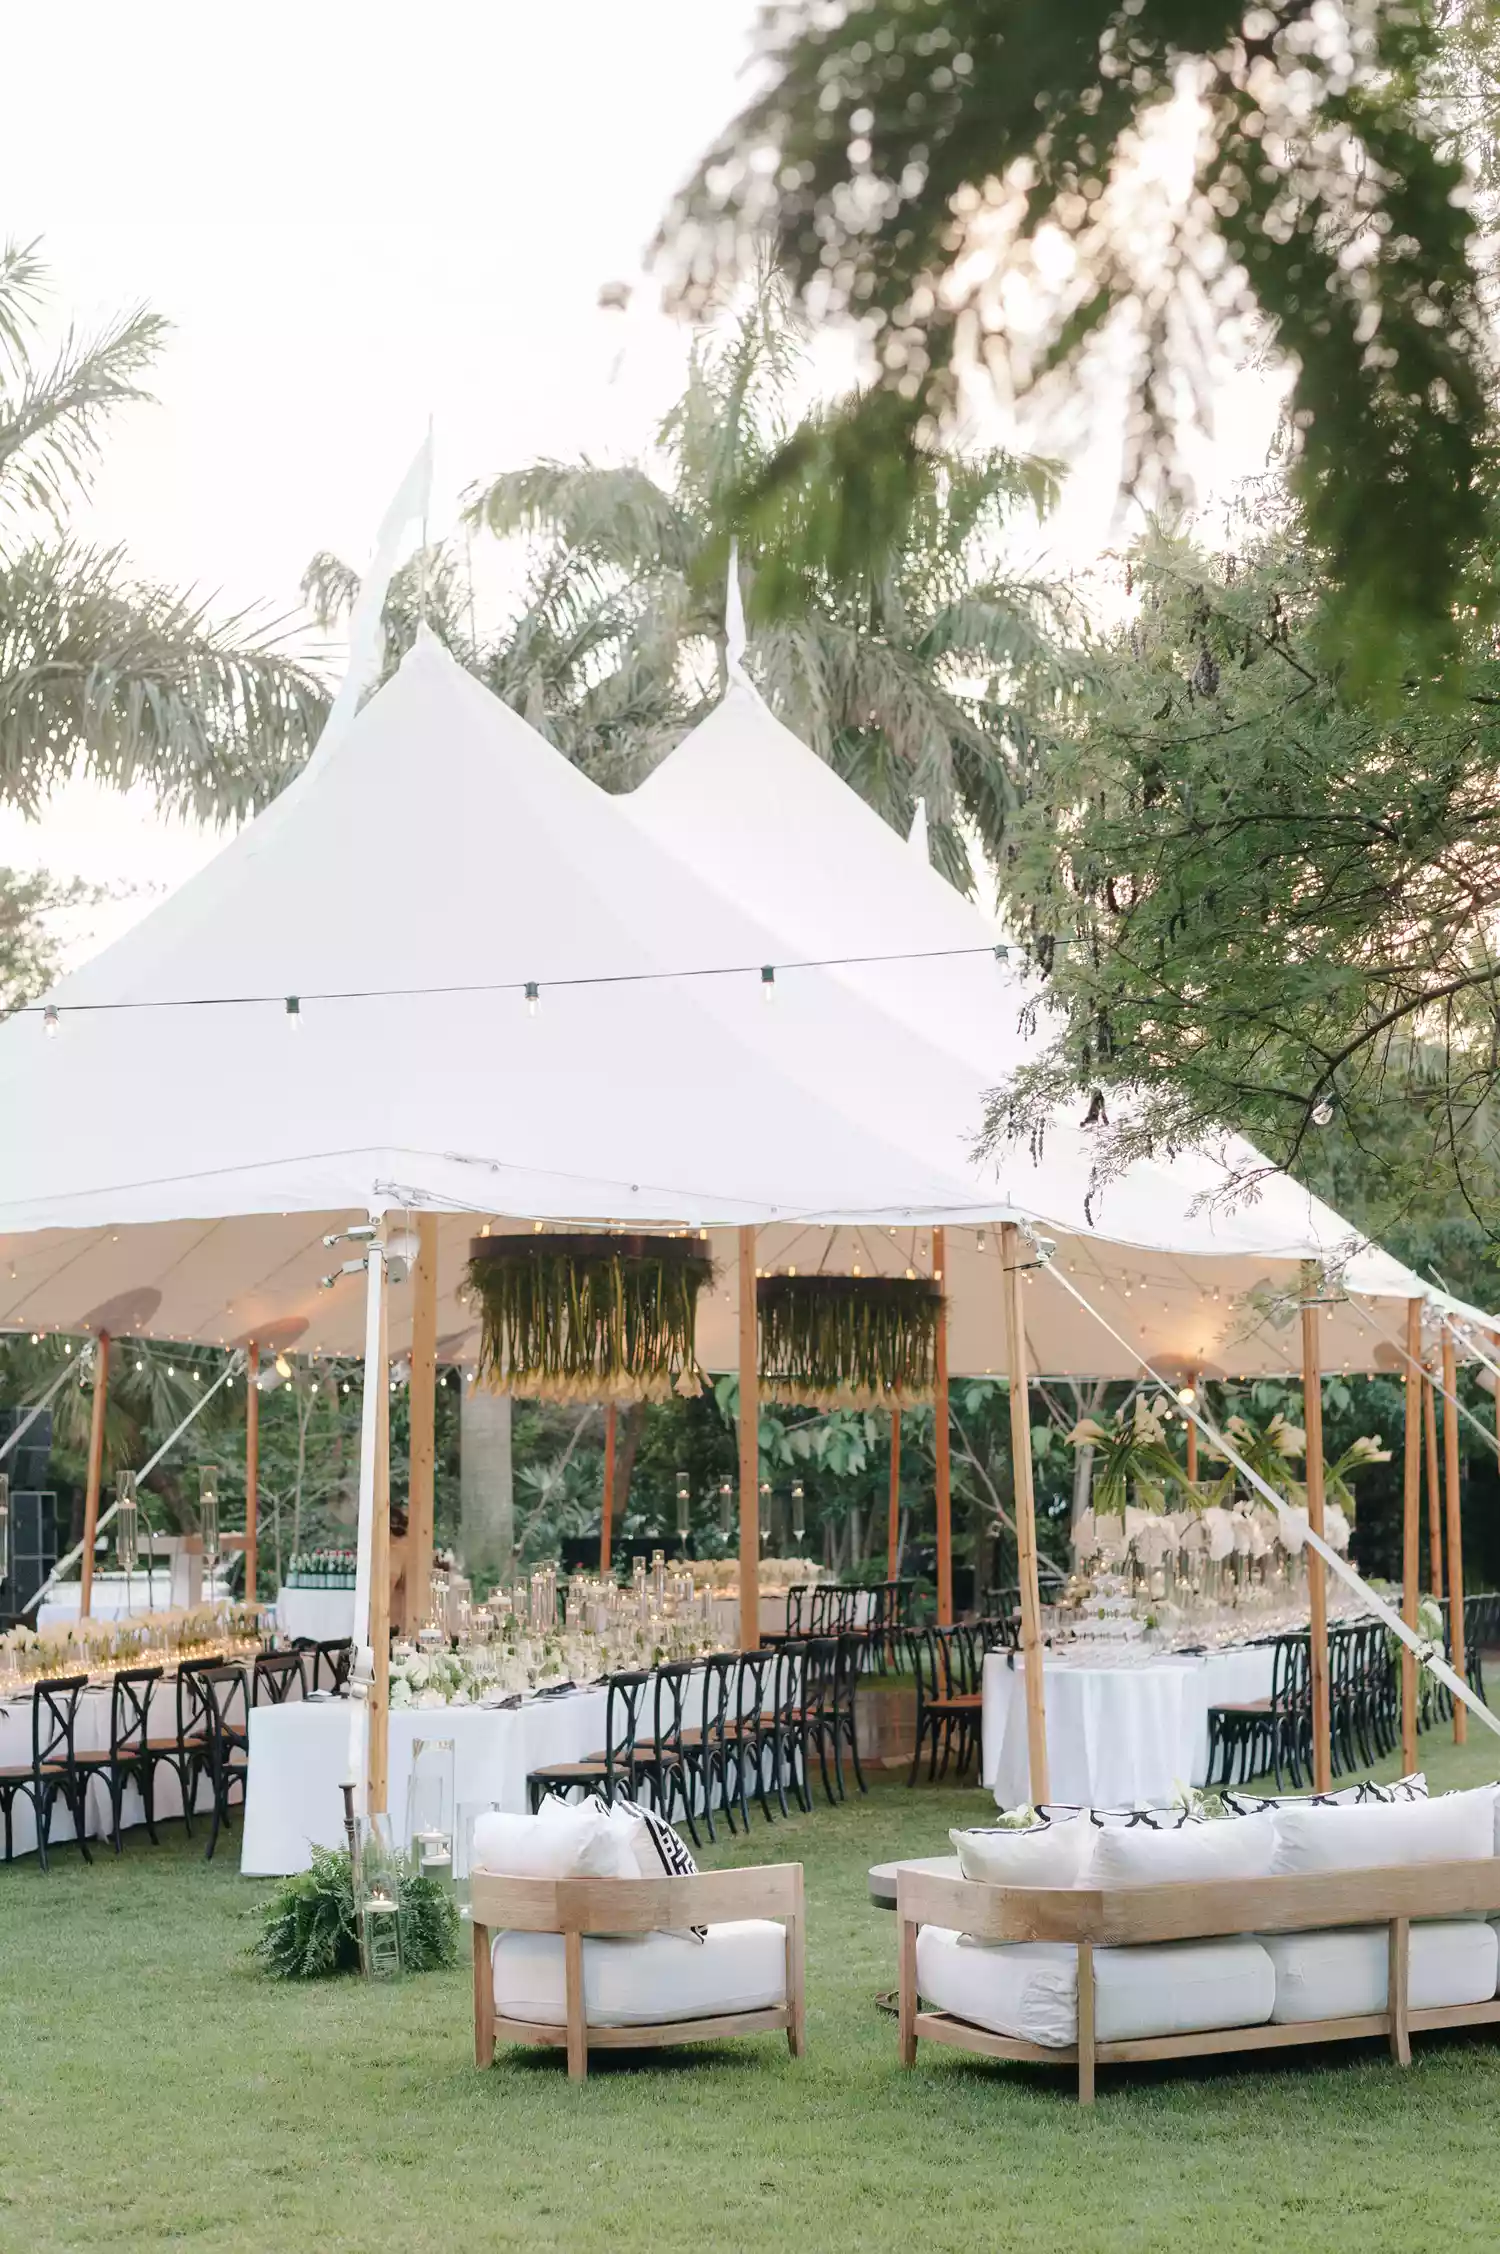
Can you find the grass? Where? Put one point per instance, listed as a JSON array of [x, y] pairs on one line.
[[154, 2089]]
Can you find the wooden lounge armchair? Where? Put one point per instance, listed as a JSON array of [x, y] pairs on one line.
[[730, 1904]]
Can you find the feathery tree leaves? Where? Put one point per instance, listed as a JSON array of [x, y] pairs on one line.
[[102, 673], [1268, 902], [1133, 190]]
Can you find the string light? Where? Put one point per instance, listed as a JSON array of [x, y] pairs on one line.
[[533, 997], [294, 1012], [50, 1022], [767, 982]]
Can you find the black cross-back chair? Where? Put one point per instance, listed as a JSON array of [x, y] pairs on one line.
[[274, 1675], [673, 1768], [749, 1732], [131, 1759], [226, 1698], [615, 1772], [949, 1702], [56, 1770], [720, 1674], [335, 1653], [782, 1732], [186, 1754]]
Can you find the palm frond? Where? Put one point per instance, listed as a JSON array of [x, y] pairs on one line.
[[618, 516], [52, 416], [108, 676]]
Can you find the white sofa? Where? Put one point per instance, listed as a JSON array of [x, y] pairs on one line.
[[1302, 1923]]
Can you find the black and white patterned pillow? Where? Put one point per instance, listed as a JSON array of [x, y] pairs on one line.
[[672, 1850], [1117, 1819]]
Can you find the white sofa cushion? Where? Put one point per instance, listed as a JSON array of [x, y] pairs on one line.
[[1029, 1989], [1050, 1854], [563, 1841], [647, 1981], [1343, 1974], [1229, 1847], [1454, 1828]]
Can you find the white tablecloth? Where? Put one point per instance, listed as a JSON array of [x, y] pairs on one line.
[[299, 1762], [319, 1614], [1115, 1734], [92, 1736]]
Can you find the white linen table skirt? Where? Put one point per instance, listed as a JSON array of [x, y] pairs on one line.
[[300, 1760], [319, 1614], [92, 1736], [1116, 1734]]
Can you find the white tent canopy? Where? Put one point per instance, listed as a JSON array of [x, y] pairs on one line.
[[174, 1160]]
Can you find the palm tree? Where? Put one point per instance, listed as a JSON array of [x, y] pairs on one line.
[[102, 673], [901, 665]]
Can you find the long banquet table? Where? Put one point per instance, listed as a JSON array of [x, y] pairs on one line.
[[1118, 1730], [92, 1736]]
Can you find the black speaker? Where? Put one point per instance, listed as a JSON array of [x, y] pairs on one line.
[[27, 1464], [33, 1546]]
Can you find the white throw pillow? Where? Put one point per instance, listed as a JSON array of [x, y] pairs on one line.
[[563, 1842], [1046, 1855], [1137, 1856], [1456, 1827]]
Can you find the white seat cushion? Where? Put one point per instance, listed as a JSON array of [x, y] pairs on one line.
[[562, 1841], [645, 1981], [1050, 1854], [1456, 1827], [1029, 1989], [1342, 1974]]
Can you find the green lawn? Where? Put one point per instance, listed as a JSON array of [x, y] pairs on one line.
[[155, 2089]]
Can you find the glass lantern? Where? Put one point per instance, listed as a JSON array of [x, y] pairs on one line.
[[684, 1507], [726, 1508], [429, 1807], [377, 1897], [127, 1531], [4, 1527], [469, 1813], [208, 1527], [799, 1512]]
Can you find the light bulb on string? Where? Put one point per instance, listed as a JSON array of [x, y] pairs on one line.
[[533, 997], [767, 983], [294, 1013], [51, 1022]]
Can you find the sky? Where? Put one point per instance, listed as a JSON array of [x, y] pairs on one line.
[[357, 217]]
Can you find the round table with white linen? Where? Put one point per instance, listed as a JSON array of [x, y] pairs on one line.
[[322, 1615], [1119, 1730]]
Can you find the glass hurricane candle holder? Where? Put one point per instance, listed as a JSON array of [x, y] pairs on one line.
[[429, 1807], [377, 1897]]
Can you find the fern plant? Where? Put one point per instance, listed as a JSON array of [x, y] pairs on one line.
[[309, 1929]]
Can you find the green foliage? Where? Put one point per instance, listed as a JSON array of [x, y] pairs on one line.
[[985, 184], [30, 945], [309, 1930], [101, 672], [1263, 899], [1132, 1460]]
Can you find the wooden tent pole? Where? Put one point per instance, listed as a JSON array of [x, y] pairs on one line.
[[422, 1462], [380, 1569], [1434, 1492], [749, 1448], [1025, 1504], [607, 1513], [252, 1467], [95, 1472], [1317, 1571], [942, 1448], [1411, 1529], [893, 1508], [1460, 1657]]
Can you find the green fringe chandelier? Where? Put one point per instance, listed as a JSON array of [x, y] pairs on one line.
[[589, 1318], [849, 1342]]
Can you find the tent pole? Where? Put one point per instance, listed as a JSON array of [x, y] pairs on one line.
[[749, 1448], [1434, 1492], [606, 1515], [422, 1469], [893, 1510], [252, 1466], [941, 1442], [95, 1473], [380, 1578], [1459, 1657], [1025, 1502], [1411, 1530], [361, 1742], [1317, 1581]]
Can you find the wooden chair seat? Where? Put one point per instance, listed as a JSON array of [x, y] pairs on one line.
[[1244, 1706], [171, 1744], [960, 1702]]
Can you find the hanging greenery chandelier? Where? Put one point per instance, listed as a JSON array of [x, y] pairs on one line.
[[849, 1342], [589, 1318]]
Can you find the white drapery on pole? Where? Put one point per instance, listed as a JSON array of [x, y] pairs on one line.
[[1429, 1655], [363, 1673], [236, 1363]]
